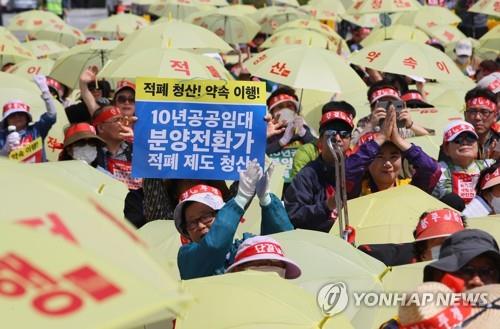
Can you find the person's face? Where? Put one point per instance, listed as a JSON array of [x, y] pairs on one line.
[[254, 265], [341, 137], [462, 150], [19, 119], [285, 105], [81, 142], [384, 169], [111, 128], [95, 91], [479, 272], [481, 118], [125, 101], [198, 219], [427, 254]]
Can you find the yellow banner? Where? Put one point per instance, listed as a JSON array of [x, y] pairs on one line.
[[26, 151], [201, 91]]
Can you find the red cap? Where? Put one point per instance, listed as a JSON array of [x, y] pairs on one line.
[[281, 98], [14, 107], [122, 84], [337, 115], [383, 92]]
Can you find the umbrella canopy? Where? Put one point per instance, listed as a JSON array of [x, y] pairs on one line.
[[166, 63], [173, 34], [488, 7], [319, 12], [116, 26], [305, 68], [238, 10], [28, 69], [334, 5], [394, 32], [177, 10], [61, 292], [360, 7], [389, 216], [12, 52], [445, 34], [365, 20], [7, 36], [491, 40], [264, 301], [71, 64], [270, 18], [292, 3], [232, 28], [59, 32], [45, 48], [340, 262], [291, 37], [32, 20], [490, 224], [427, 17], [408, 58], [310, 25]]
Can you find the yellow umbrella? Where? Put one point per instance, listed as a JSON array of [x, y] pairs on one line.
[[394, 32], [238, 9], [365, 20], [430, 144], [305, 68], [291, 37], [389, 216], [382, 6], [29, 68], [310, 25], [491, 40], [427, 17], [490, 224], [408, 58], [7, 36], [59, 32], [218, 3], [292, 3], [446, 34], [270, 18], [172, 34], [488, 7], [177, 10], [334, 5], [448, 94], [45, 48], [32, 20], [71, 64], [62, 292], [253, 300], [436, 118], [116, 26], [232, 28], [320, 12], [11, 52], [166, 63]]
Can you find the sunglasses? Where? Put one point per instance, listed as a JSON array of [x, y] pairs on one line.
[[484, 273], [342, 133], [124, 99], [467, 139], [484, 112], [83, 142]]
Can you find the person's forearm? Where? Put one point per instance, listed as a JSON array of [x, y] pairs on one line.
[[88, 99], [419, 130]]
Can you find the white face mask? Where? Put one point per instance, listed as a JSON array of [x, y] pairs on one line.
[[287, 115], [495, 204], [435, 252], [87, 153], [462, 59], [280, 270]]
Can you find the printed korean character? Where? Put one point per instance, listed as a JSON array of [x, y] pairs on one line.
[[155, 160], [410, 62], [241, 163], [213, 72], [150, 88], [179, 139], [193, 90], [244, 140], [212, 119], [221, 141], [223, 92], [252, 92], [376, 4], [211, 90], [442, 67], [179, 118], [280, 69], [229, 120], [171, 161], [245, 119], [207, 162], [162, 89], [191, 161], [239, 91], [372, 55], [227, 163], [200, 140], [157, 140], [178, 90], [195, 118], [52, 224], [180, 66]]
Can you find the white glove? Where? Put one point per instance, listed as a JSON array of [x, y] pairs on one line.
[[263, 188], [298, 124], [248, 182], [287, 136], [41, 82], [13, 140]]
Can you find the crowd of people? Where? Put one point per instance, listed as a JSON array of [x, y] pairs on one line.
[[380, 154]]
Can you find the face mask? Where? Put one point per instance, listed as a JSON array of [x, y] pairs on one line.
[[462, 59], [287, 114], [86, 153], [435, 252], [495, 204], [281, 271]]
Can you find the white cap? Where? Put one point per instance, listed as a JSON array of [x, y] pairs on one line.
[[463, 48], [491, 82], [457, 127]]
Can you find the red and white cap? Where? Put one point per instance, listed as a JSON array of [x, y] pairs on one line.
[[264, 248], [384, 92], [122, 84], [491, 82], [205, 194], [337, 115], [490, 180], [281, 98], [457, 127], [16, 106], [439, 223]]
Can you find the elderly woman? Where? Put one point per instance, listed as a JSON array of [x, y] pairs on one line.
[[81, 143]]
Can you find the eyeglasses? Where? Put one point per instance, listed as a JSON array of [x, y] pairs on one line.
[[466, 139], [124, 99], [205, 219], [484, 112], [341, 133], [469, 272]]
